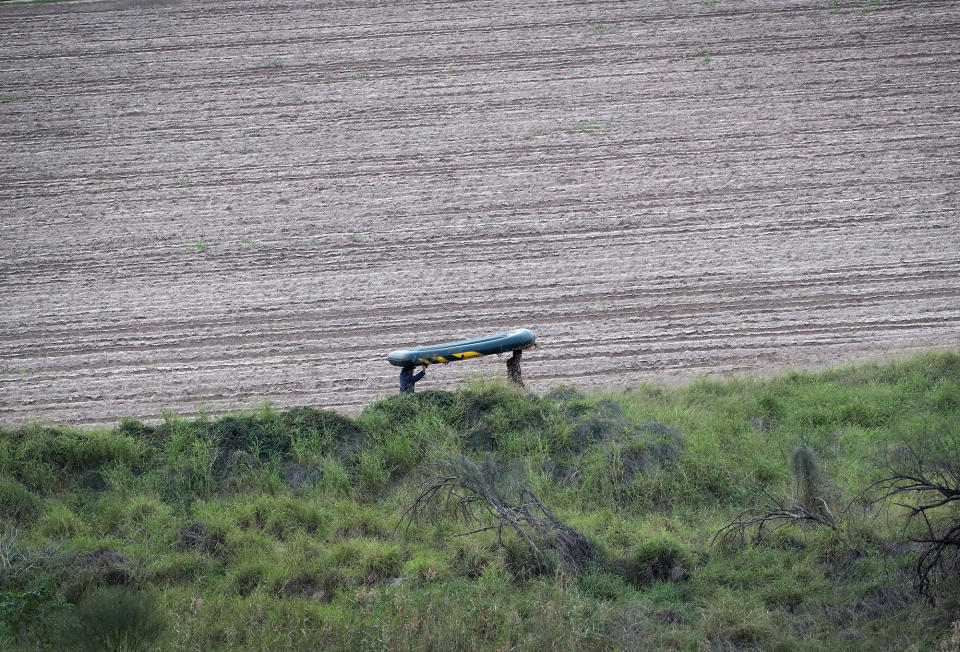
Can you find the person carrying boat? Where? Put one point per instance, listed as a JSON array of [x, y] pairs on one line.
[[513, 368], [408, 379]]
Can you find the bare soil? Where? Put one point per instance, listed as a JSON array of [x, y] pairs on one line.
[[206, 205]]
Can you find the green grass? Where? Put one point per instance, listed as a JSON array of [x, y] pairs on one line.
[[276, 529]]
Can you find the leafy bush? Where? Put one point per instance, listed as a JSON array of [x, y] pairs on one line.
[[371, 470], [659, 559], [244, 578], [60, 522], [16, 501], [731, 624], [279, 516], [259, 436], [602, 585], [612, 470], [400, 410], [116, 618], [77, 450], [31, 617]]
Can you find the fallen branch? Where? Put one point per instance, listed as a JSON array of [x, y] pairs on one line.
[[495, 499], [775, 513]]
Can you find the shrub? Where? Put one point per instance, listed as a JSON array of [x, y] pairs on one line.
[[334, 477], [116, 618], [259, 436], [396, 412], [425, 567], [659, 559], [730, 624], [77, 450], [602, 586], [371, 470], [16, 501], [245, 577], [280, 516], [32, 616], [59, 522], [612, 470]]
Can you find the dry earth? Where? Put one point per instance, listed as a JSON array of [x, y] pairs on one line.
[[209, 204]]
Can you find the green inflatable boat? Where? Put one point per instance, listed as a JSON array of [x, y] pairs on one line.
[[518, 338]]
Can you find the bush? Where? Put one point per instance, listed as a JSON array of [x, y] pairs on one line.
[[425, 567], [371, 471], [524, 562], [602, 586], [32, 616], [259, 436], [245, 577], [17, 502], [659, 559], [60, 522], [116, 618], [396, 412], [77, 450], [612, 470], [730, 624], [279, 516], [486, 413]]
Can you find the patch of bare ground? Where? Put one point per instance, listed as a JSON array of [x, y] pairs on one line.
[[211, 204]]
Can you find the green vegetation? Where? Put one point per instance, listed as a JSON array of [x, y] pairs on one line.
[[294, 529], [601, 29]]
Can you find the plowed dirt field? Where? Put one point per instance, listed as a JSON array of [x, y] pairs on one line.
[[210, 204]]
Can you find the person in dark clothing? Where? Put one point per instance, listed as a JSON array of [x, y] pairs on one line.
[[408, 379], [513, 368]]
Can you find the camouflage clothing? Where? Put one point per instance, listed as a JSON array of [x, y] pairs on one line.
[[408, 379], [513, 371]]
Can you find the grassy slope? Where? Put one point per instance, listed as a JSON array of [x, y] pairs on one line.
[[276, 529]]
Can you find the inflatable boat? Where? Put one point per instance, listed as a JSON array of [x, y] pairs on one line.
[[518, 338]]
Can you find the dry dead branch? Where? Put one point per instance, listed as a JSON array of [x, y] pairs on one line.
[[772, 517], [925, 481], [496, 500]]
